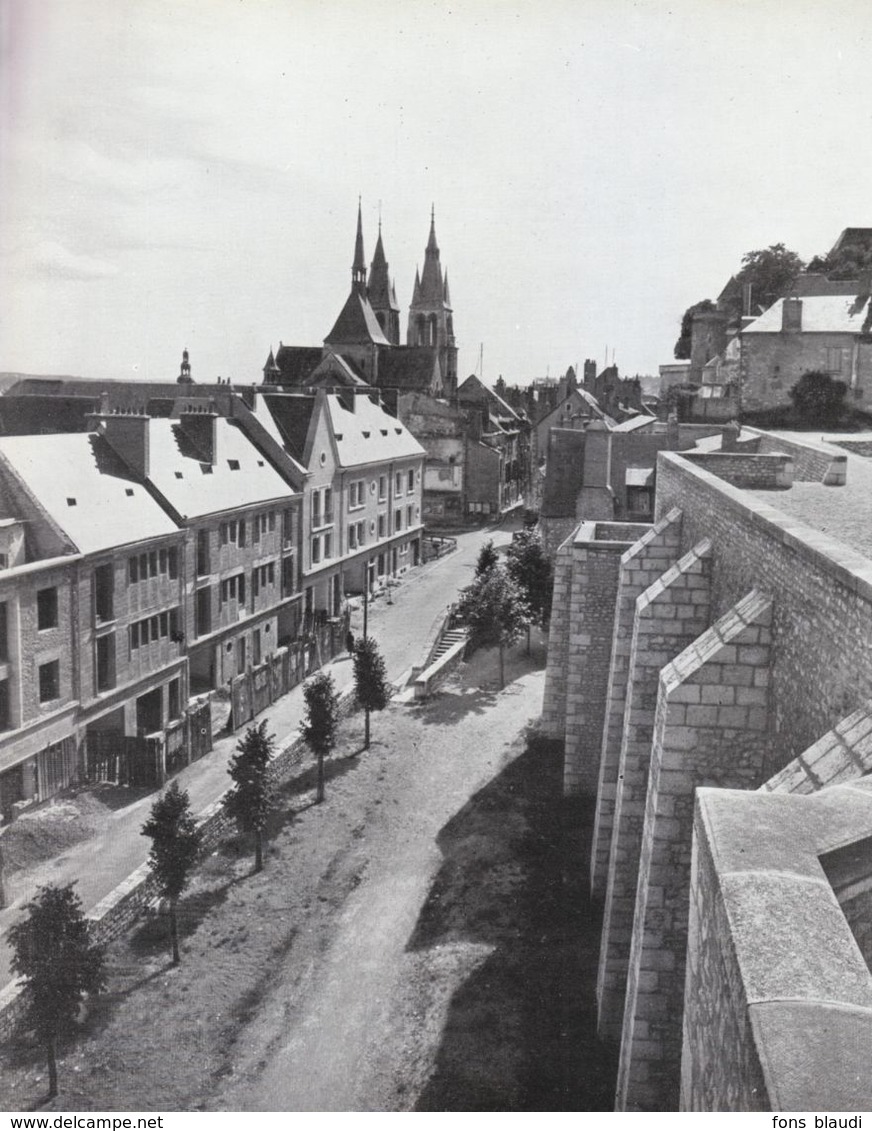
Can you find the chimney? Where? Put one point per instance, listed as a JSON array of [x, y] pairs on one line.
[[201, 428], [128, 436], [791, 315]]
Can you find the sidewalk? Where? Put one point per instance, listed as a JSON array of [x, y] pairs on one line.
[[99, 863]]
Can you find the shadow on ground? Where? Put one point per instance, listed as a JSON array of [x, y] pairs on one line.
[[520, 1034], [447, 708]]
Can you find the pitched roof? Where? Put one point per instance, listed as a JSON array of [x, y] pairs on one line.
[[368, 434], [86, 490], [334, 369], [410, 368], [356, 324], [292, 414], [238, 475], [821, 314], [815, 284], [380, 289], [295, 363]]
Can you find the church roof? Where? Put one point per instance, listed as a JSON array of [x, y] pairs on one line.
[[379, 290], [295, 363], [431, 291], [334, 369], [410, 368], [356, 324]]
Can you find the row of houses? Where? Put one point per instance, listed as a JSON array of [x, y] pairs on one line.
[[170, 541]]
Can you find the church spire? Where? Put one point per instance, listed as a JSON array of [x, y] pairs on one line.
[[358, 268], [380, 293], [432, 246]]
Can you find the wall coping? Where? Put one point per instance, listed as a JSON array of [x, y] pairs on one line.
[[847, 565]]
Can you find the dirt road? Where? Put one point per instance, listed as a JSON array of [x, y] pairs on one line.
[[341, 1040]]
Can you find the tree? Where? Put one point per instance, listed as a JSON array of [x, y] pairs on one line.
[[321, 721], [53, 953], [530, 568], [175, 845], [818, 398], [770, 271], [488, 558], [682, 346], [248, 802], [370, 681], [495, 611]]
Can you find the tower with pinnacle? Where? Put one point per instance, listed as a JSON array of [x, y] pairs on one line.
[[431, 321], [382, 294]]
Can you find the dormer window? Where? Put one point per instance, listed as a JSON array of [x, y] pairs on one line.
[[71, 502], [233, 464]]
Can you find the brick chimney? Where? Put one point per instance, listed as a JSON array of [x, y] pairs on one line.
[[201, 428], [791, 315], [128, 436]]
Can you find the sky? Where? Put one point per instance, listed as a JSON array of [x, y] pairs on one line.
[[186, 173]]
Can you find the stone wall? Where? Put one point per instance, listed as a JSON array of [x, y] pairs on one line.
[[641, 565], [768, 472], [710, 730], [843, 753], [822, 666], [670, 614]]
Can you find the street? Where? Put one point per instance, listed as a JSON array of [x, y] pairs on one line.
[[401, 628]]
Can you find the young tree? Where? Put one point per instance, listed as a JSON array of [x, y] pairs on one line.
[[320, 724], [818, 398], [370, 681], [488, 559], [530, 568], [249, 801], [495, 611], [52, 952], [175, 844]]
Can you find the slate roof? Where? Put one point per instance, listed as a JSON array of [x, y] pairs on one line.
[[109, 507], [296, 363], [821, 314], [356, 324], [815, 284], [410, 368], [292, 415], [368, 434], [194, 488]]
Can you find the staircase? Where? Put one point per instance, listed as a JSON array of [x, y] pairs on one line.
[[448, 639]]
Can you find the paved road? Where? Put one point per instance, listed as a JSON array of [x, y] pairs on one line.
[[401, 629]]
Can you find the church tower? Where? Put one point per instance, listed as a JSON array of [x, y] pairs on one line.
[[382, 295], [431, 321]]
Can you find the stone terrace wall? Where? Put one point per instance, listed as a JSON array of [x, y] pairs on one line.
[[778, 1002], [641, 566], [822, 667], [670, 614], [811, 464], [844, 753], [761, 472], [710, 730]]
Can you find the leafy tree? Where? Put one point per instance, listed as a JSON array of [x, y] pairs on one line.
[[530, 568], [370, 681], [771, 271], [495, 611], [321, 721], [488, 558], [849, 261], [249, 801], [52, 952], [818, 398], [175, 844], [682, 346]]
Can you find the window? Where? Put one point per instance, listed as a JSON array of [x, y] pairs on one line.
[[322, 507], [46, 608], [328, 545], [204, 611], [382, 525], [408, 516], [202, 553], [174, 698], [5, 717], [399, 483], [49, 681], [158, 563], [382, 488], [355, 494], [410, 481], [255, 647], [233, 589], [316, 549], [288, 577], [838, 359], [271, 521], [398, 520], [356, 535], [104, 583], [288, 525], [160, 626], [4, 634], [233, 533], [106, 662]]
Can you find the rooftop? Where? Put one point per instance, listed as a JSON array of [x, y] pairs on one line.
[[820, 314]]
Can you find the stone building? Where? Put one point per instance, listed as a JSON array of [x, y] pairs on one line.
[[710, 674]]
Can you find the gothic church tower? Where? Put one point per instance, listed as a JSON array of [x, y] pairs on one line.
[[382, 295], [430, 317]]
